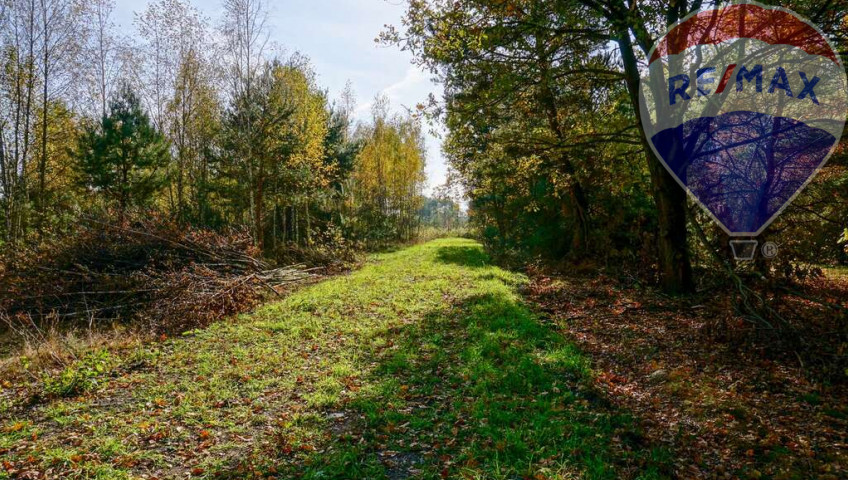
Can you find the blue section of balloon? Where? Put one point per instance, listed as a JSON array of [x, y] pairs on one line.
[[743, 166]]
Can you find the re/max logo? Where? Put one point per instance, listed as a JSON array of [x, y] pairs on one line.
[[678, 84]]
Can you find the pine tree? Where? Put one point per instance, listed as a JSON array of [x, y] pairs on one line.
[[124, 157]]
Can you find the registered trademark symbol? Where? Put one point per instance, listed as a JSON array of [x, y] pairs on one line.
[[770, 249]]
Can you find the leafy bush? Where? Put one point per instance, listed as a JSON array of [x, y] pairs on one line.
[[80, 376]]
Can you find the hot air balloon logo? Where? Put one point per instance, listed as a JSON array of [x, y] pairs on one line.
[[743, 105]]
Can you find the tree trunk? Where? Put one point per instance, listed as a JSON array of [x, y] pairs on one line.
[[257, 215], [674, 265], [285, 224], [42, 165], [296, 225], [274, 228], [308, 225]]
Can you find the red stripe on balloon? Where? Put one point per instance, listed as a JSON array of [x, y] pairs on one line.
[[725, 78], [774, 27]]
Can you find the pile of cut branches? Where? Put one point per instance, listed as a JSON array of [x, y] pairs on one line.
[[148, 272]]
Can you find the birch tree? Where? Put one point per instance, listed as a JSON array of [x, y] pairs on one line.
[[103, 57], [244, 28], [176, 78], [59, 28], [17, 105]]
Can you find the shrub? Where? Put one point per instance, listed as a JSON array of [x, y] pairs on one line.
[[80, 376]]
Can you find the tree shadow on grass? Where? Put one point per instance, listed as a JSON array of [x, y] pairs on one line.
[[478, 389], [471, 256]]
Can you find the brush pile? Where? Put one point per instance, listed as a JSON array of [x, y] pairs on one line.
[[148, 272]]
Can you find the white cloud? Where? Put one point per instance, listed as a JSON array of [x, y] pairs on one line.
[[407, 92]]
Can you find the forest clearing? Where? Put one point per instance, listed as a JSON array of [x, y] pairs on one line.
[[424, 363], [428, 363]]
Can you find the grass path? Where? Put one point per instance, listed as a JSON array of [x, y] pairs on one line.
[[423, 364]]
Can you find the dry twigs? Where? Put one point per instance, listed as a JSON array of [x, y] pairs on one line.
[[148, 271]]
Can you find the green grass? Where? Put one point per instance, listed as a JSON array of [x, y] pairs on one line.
[[423, 364], [838, 273]]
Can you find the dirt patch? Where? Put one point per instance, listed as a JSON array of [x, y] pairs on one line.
[[400, 465]]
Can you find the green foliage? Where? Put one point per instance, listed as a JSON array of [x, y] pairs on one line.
[[80, 376], [540, 126], [124, 157], [339, 147], [295, 169], [388, 178], [195, 127], [542, 135]]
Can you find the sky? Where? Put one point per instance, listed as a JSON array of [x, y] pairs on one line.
[[338, 36]]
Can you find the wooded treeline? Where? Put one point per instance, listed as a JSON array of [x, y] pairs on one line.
[[203, 122], [541, 103]]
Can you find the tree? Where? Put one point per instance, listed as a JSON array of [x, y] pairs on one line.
[[275, 141], [246, 39], [124, 157], [339, 145], [58, 32], [61, 193], [255, 144], [302, 172], [503, 63], [635, 30], [388, 177], [178, 82], [103, 56], [622, 21], [18, 97], [441, 210], [341, 150], [194, 122]]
